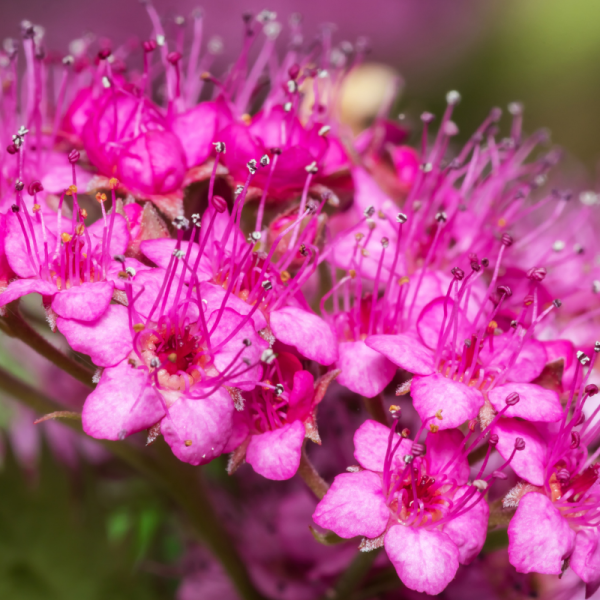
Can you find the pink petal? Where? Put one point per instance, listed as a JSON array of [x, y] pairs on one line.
[[585, 560], [404, 351], [301, 396], [458, 402], [307, 332], [22, 287], [426, 561], [276, 454], [371, 442], [431, 319], [468, 531], [122, 404], [196, 130], [364, 371], [119, 237], [535, 403], [354, 505], [85, 302], [538, 536], [529, 463], [206, 423], [107, 341], [160, 251], [442, 447]]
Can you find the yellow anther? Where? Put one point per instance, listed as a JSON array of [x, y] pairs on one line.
[[83, 213], [285, 276], [364, 252], [172, 357], [438, 414], [403, 280], [138, 327], [113, 183], [80, 229], [359, 236], [501, 222], [246, 119], [72, 189], [352, 273], [188, 443], [36, 207], [492, 326], [394, 408], [66, 237], [205, 76], [101, 197], [434, 428]]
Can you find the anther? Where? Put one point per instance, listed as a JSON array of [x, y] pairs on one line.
[[74, 156], [512, 399], [278, 389], [15, 208], [453, 97], [155, 363], [105, 82], [438, 415], [515, 109], [458, 273], [254, 236], [149, 46], [557, 303], [494, 439], [395, 411], [19, 185], [264, 160], [405, 432], [597, 347], [267, 285], [181, 223], [558, 246], [119, 258], [426, 167], [499, 475], [417, 449], [385, 242], [427, 117], [130, 271], [303, 251], [312, 168], [582, 357], [401, 218], [35, 187], [196, 220], [475, 266], [505, 291], [480, 484], [251, 164], [188, 443], [139, 327], [219, 204], [485, 263], [324, 130], [578, 249], [172, 357], [247, 342], [178, 253], [575, 440], [219, 147], [369, 211], [514, 324], [174, 57], [68, 60], [507, 240], [519, 444], [563, 475], [591, 389], [408, 458], [268, 356], [287, 106]]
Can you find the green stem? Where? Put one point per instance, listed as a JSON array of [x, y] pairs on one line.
[[376, 409], [311, 477], [178, 480], [14, 325], [353, 576]]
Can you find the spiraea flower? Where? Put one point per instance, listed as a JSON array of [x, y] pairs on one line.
[[415, 499]]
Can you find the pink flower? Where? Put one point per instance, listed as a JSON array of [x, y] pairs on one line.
[[275, 417], [412, 499], [69, 264]]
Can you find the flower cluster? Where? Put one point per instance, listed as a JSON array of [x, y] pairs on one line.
[[229, 256]]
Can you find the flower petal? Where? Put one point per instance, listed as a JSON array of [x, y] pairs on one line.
[[307, 332], [426, 561], [458, 402], [538, 536], [22, 287], [404, 351], [371, 442], [468, 531], [535, 403], [442, 447], [107, 341], [529, 463], [122, 404], [364, 371], [85, 302], [354, 505], [585, 559], [198, 430], [276, 454]]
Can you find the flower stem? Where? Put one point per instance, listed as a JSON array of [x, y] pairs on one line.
[[14, 325], [311, 477], [353, 576], [180, 481], [376, 409]]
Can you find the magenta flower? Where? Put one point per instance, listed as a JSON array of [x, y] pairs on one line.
[[69, 264], [275, 417], [412, 499]]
